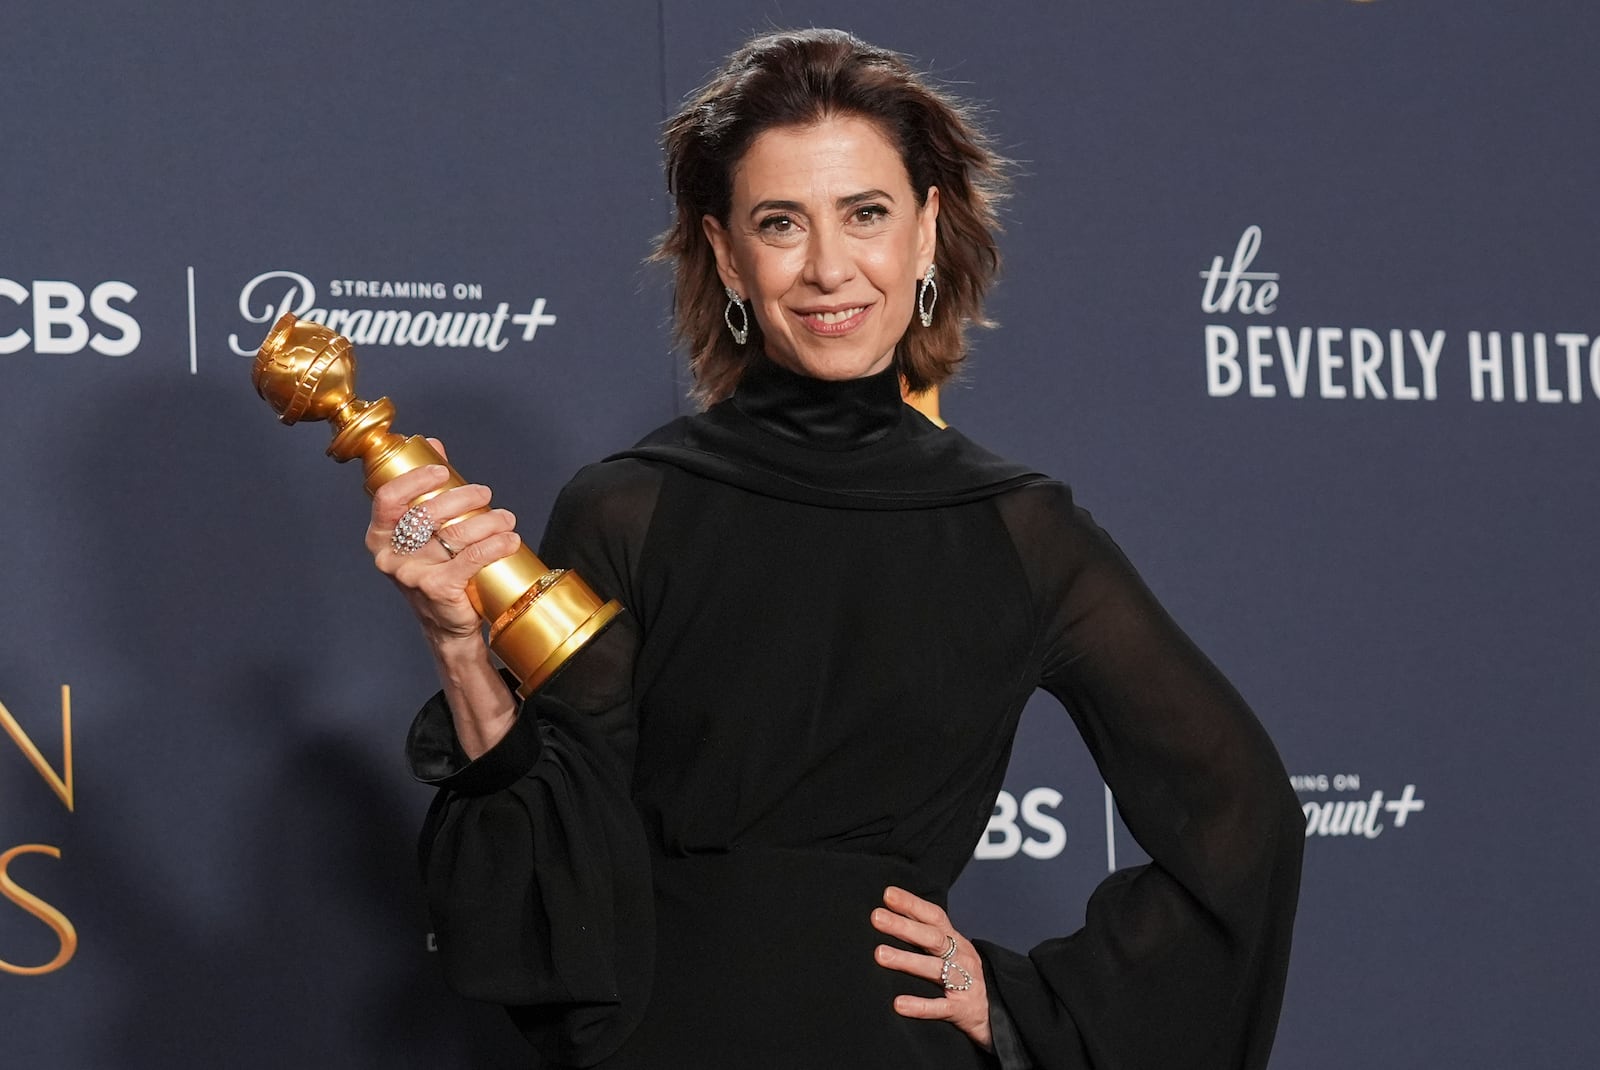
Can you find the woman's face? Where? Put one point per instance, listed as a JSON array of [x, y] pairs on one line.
[[826, 241]]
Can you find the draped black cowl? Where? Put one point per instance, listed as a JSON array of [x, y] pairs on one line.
[[835, 614]]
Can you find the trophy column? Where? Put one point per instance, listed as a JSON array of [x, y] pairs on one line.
[[538, 616]]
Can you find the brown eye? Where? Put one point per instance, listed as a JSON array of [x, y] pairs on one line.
[[869, 214]]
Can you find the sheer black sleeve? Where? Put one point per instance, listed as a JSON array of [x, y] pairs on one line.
[[533, 859], [1181, 962]]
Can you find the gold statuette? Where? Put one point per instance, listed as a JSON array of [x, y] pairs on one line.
[[538, 616]]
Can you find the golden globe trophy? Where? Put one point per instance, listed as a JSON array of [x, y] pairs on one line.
[[538, 616]]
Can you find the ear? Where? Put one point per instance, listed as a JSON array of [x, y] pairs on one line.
[[928, 227], [722, 249]]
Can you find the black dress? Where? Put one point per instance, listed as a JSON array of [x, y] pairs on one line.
[[836, 612]]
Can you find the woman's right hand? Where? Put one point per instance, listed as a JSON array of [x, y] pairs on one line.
[[433, 583]]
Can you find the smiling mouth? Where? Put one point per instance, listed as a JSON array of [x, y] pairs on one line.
[[834, 322], [838, 317]]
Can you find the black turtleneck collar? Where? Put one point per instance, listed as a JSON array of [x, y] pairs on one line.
[[847, 444], [821, 413]]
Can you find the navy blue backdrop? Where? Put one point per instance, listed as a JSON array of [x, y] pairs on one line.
[[1299, 296]]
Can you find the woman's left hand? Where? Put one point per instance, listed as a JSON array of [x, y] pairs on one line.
[[923, 924]]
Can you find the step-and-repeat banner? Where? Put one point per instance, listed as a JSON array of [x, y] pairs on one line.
[[1303, 299]]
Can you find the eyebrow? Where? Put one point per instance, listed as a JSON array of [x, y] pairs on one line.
[[841, 203]]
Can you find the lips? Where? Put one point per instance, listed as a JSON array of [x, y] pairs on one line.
[[834, 320]]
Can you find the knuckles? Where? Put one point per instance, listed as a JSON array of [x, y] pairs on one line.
[[391, 499], [408, 573], [490, 549], [386, 496]]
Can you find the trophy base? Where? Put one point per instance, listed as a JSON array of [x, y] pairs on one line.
[[546, 626], [574, 642]]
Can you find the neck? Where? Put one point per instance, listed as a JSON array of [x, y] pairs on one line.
[[833, 414]]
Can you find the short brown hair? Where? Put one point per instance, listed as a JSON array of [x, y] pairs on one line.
[[797, 78]]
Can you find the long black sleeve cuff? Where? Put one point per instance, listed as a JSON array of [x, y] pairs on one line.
[[436, 757]]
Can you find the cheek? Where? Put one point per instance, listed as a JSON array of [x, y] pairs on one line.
[[895, 263], [893, 273], [772, 272]]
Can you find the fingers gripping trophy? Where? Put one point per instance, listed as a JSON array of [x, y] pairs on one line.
[[538, 617]]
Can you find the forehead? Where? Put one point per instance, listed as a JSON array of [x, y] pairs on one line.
[[835, 156]]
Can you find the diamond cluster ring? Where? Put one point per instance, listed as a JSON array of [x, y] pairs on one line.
[[413, 530]]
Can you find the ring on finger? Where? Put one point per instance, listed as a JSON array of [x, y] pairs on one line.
[[413, 530], [948, 963], [451, 550]]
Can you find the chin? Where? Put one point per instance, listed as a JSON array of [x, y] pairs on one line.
[[834, 367]]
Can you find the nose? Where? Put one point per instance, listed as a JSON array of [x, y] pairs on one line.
[[829, 264]]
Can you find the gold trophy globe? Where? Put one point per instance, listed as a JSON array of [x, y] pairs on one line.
[[538, 616]]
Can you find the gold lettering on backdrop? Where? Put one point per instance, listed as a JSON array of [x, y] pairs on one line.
[[61, 783], [66, 935]]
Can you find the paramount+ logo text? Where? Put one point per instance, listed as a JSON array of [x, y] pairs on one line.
[[56, 317]]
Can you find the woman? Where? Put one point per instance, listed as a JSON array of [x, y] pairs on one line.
[[724, 835]]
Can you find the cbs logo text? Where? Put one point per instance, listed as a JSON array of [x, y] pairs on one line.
[[57, 317]]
